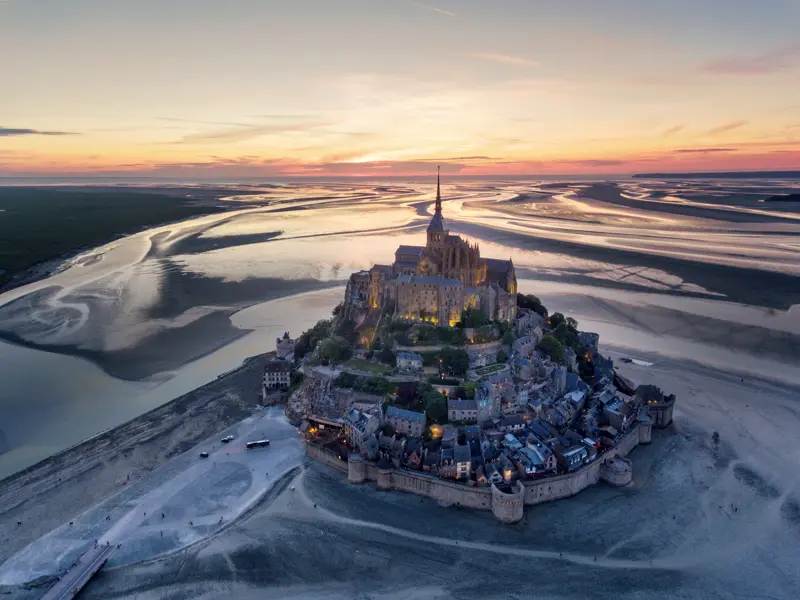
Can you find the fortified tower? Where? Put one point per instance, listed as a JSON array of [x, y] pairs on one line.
[[356, 469], [508, 506], [617, 471]]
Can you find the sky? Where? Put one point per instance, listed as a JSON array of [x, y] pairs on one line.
[[267, 88]]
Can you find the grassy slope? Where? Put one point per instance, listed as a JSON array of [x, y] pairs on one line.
[[39, 224]]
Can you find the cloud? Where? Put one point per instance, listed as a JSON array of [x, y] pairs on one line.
[[671, 130], [593, 162], [433, 8], [793, 126], [703, 150], [504, 58], [243, 132], [726, 127], [457, 158], [776, 60], [199, 122], [15, 131]]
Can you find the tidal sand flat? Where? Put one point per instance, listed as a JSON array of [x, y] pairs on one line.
[[132, 316], [700, 518]]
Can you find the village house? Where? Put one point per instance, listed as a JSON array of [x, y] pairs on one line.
[[487, 396], [571, 458], [413, 454], [406, 421], [463, 461], [524, 346], [462, 411], [493, 476], [359, 426], [511, 424], [277, 375], [409, 361]]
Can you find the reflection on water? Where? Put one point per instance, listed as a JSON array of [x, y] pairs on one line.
[[75, 400], [173, 306]]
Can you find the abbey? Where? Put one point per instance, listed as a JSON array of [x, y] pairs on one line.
[[436, 282]]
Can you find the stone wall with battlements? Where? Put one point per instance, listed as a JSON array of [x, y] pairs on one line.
[[449, 493]]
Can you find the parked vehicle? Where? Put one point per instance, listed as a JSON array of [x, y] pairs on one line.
[[257, 444], [204, 455], [227, 439]]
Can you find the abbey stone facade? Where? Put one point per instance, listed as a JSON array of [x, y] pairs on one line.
[[435, 282]]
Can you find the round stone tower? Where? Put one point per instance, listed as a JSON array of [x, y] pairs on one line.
[[616, 471], [508, 503], [384, 473], [356, 469], [645, 429], [385, 479]]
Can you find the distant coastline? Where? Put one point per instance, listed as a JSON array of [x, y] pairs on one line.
[[723, 175], [51, 252]]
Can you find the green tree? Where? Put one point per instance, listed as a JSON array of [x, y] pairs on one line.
[[451, 336], [472, 317], [509, 338], [469, 389], [387, 357], [435, 404], [296, 378], [552, 347], [501, 356], [454, 361], [337, 309], [346, 380], [531, 302], [309, 339], [346, 328], [402, 338], [336, 349], [378, 386], [556, 319]]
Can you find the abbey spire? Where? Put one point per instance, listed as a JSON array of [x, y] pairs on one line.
[[437, 222]]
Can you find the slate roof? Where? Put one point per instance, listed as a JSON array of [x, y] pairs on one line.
[[512, 421], [408, 415], [437, 222], [461, 454], [462, 405], [278, 366], [497, 265], [410, 250], [406, 264]]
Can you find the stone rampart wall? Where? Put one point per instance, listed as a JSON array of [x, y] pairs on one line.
[[434, 348], [326, 456], [483, 346], [449, 492], [444, 491]]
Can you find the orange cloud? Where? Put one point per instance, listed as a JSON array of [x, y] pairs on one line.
[[727, 127], [776, 60], [504, 58]]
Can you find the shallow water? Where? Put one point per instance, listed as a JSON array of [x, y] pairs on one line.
[[132, 324]]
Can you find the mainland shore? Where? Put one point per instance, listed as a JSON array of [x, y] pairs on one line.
[[42, 497]]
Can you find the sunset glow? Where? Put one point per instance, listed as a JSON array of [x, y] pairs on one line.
[[251, 88]]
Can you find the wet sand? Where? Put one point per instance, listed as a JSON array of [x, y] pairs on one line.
[[53, 491], [672, 533], [130, 319]]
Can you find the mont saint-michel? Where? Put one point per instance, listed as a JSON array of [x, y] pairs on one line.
[[435, 283], [436, 377]]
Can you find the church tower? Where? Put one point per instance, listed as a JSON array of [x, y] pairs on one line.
[[436, 231]]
